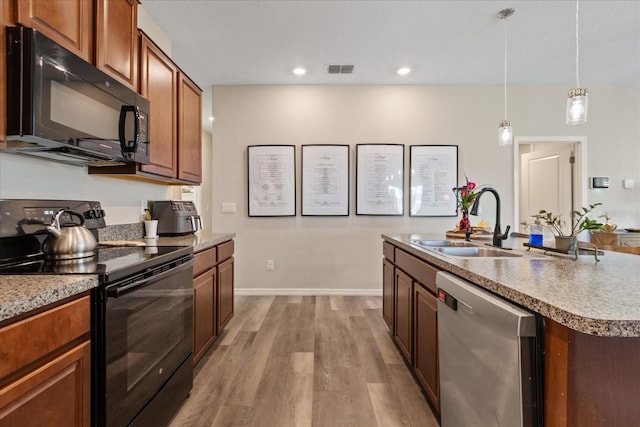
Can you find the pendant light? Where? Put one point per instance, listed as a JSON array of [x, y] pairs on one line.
[[577, 102], [505, 131]]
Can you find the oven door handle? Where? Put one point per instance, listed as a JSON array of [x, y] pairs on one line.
[[115, 290]]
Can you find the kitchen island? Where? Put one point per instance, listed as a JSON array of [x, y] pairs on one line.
[[591, 316]]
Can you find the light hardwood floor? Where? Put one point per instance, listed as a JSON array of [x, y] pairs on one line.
[[323, 361]]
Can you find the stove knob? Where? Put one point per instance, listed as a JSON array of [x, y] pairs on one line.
[[89, 214]]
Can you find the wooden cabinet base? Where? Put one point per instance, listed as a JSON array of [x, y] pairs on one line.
[[589, 380], [56, 394]]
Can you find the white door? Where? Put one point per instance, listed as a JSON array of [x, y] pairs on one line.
[[545, 180]]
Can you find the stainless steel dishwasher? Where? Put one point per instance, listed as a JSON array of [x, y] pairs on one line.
[[487, 350]]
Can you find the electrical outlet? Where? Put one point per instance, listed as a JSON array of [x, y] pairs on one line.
[[270, 265]]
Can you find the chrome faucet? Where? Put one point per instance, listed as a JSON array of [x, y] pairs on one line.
[[498, 237]]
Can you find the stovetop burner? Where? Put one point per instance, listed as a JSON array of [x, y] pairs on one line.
[[110, 263]]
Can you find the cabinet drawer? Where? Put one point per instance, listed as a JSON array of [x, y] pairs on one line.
[[418, 269], [225, 250], [388, 250], [204, 260], [32, 338]]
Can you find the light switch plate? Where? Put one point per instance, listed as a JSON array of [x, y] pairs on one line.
[[228, 207], [627, 183]]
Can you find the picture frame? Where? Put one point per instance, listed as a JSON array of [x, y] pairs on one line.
[[380, 179], [325, 180], [434, 174], [271, 180]]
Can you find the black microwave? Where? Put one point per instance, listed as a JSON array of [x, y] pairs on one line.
[[62, 108]]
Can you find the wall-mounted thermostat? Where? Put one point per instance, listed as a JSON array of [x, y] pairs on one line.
[[599, 182]]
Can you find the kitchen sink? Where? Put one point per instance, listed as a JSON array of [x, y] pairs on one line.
[[475, 252], [444, 243]]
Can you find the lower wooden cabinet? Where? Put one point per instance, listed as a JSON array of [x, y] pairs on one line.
[[225, 293], [204, 306], [45, 368], [213, 287], [404, 314], [425, 353], [409, 288], [388, 293], [56, 394]]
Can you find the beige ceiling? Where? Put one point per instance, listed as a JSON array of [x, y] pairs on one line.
[[444, 42]]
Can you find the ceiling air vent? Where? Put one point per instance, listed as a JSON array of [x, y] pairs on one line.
[[340, 69]]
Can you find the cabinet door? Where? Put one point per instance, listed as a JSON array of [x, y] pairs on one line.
[[404, 314], [204, 321], [5, 14], [425, 328], [68, 22], [225, 293], [159, 84], [117, 39], [388, 289], [189, 130], [57, 394]]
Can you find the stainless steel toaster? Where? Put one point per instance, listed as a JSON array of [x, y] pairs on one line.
[[176, 217]]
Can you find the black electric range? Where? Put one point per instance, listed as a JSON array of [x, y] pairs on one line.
[[141, 312], [22, 232]]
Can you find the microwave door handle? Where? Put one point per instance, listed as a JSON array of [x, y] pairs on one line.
[[124, 144], [199, 222]]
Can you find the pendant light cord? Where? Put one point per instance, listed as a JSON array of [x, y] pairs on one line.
[[577, 48], [505, 69]]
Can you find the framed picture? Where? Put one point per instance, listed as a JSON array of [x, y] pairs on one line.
[[272, 180], [325, 180], [380, 179], [434, 174]]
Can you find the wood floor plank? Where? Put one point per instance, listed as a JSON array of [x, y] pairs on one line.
[[386, 405], [320, 361]]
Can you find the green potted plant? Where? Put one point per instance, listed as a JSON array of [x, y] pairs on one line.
[[568, 241]]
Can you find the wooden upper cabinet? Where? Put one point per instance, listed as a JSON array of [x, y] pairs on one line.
[[5, 15], [117, 39], [189, 130], [68, 22], [159, 84]]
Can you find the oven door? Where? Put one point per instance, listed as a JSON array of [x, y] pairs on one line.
[[148, 334]]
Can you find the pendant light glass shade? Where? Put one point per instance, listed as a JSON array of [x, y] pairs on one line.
[[505, 133], [577, 105]]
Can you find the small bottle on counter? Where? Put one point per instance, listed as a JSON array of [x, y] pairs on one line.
[[535, 234]]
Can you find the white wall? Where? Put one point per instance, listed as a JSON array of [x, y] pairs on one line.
[[345, 252], [27, 178]]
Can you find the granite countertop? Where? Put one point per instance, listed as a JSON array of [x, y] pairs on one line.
[[596, 298], [22, 293]]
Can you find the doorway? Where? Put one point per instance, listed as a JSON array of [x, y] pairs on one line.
[[549, 174]]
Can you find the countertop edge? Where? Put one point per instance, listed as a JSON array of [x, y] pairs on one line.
[[574, 321]]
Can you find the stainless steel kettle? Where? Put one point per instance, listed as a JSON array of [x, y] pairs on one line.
[[68, 241]]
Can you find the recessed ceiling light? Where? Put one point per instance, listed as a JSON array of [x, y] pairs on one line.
[[299, 71], [403, 71]]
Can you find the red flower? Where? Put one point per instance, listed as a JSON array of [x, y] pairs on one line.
[[465, 195]]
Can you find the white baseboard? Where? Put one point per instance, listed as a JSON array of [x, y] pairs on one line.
[[308, 291]]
